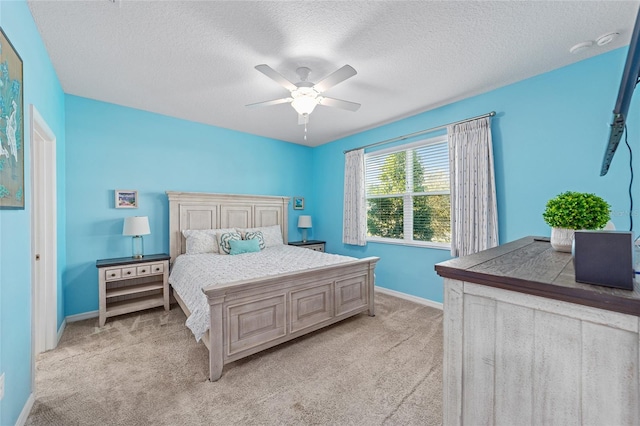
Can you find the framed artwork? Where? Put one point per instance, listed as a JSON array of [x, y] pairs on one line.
[[11, 127], [126, 199], [298, 203]]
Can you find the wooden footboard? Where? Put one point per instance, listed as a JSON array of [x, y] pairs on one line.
[[253, 315]]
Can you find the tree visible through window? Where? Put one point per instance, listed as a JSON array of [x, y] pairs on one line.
[[408, 194]]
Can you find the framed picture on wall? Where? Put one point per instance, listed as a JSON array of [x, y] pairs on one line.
[[298, 203], [126, 199], [11, 127]]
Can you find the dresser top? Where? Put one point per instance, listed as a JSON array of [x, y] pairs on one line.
[[305, 243], [131, 260], [529, 265]]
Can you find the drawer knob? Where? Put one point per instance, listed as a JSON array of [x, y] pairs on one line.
[[128, 272], [144, 270], [113, 275], [157, 269]]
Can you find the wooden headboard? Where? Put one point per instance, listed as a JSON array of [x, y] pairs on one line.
[[194, 210]]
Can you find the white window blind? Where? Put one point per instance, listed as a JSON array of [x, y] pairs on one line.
[[408, 193]]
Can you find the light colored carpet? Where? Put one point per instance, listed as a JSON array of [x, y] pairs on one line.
[[146, 368]]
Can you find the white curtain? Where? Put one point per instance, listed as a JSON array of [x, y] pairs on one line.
[[354, 225], [474, 215]]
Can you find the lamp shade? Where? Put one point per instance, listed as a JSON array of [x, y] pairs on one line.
[[136, 225], [304, 221]]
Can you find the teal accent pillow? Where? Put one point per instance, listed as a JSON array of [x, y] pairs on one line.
[[244, 246]]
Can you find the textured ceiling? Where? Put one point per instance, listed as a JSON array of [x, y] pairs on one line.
[[195, 59]]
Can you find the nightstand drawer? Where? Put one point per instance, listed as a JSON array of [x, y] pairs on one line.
[[112, 274], [128, 272], [157, 268], [315, 247], [133, 271], [143, 270]]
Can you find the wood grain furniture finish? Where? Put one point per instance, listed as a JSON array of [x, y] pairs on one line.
[[525, 344], [128, 285], [249, 316], [310, 244]]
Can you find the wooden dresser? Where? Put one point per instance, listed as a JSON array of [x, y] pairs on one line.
[[526, 344]]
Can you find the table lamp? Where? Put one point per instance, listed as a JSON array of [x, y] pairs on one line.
[[304, 222], [136, 226]]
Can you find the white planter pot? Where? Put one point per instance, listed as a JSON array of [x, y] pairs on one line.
[[562, 239]]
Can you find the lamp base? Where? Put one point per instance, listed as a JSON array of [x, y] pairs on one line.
[[138, 247], [304, 235]]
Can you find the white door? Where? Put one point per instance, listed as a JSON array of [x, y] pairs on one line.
[[43, 235]]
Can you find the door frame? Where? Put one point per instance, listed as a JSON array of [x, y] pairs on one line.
[[44, 294]]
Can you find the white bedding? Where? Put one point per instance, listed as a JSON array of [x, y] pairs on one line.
[[192, 272]]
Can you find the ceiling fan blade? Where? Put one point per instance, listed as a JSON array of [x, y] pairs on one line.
[[276, 76], [338, 76], [269, 103], [339, 103]]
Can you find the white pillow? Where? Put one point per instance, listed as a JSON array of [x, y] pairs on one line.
[[255, 235], [202, 240], [272, 234]]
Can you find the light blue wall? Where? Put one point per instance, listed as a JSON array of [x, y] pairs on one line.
[[111, 147], [41, 88], [549, 137]]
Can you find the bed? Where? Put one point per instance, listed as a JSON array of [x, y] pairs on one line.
[[249, 315]]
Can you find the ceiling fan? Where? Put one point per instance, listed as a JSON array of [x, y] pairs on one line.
[[305, 95]]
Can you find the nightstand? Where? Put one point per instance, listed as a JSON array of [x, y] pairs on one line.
[[310, 244], [127, 284]]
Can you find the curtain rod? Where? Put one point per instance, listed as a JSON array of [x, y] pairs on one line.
[[411, 135]]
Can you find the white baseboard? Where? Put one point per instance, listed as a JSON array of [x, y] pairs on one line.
[[406, 296], [84, 316], [26, 410], [61, 330]]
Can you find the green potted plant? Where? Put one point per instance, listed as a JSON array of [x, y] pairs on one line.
[[570, 211]]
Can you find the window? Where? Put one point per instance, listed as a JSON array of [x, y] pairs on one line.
[[408, 194]]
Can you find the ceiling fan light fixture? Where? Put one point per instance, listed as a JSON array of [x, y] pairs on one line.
[[304, 104]]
